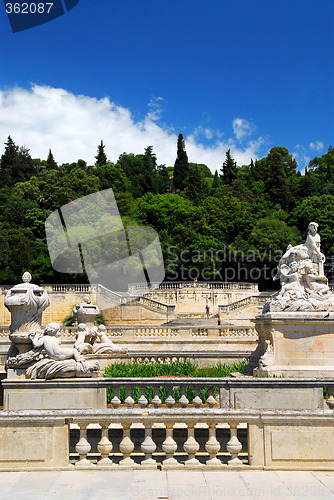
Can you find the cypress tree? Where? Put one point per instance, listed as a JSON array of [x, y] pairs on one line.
[[215, 182], [181, 166], [149, 179]]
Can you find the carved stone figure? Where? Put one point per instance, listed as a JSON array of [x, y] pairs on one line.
[[267, 358], [304, 287], [47, 359], [49, 341], [95, 341], [48, 369]]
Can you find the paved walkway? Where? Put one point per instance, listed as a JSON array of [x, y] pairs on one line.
[[174, 484]]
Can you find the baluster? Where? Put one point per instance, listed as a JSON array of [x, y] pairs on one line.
[[148, 447], [104, 446], [212, 446], [234, 446], [183, 401], [126, 446], [169, 446], [115, 400], [170, 401], [211, 401], [129, 401], [330, 400], [142, 401], [197, 400], [156, 401], [191, 446], [83, 447]]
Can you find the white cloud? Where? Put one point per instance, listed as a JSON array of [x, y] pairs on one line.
[[156, 107], [242, 128], [207, 133], [317, 145], [73, 126]]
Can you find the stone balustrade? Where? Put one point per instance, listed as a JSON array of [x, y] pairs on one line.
[[184, 438], [156, 331], [66, 288], [136, 288], [238, 332], [131, 439]]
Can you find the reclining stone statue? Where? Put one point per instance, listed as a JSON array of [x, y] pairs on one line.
[[48, 359]]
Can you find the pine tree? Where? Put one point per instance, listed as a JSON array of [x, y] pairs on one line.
[[50, 162], [7, 160], [23, 167], [149, 153], [229, 169], [181, 166], [101, 157]]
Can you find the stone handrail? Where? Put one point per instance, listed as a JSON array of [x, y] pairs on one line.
[[240, 304], [154, 305], [111, 298]]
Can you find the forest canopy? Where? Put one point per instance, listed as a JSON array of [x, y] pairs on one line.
[[228, 225]]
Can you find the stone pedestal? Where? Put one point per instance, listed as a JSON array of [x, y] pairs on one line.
[[295, 344]]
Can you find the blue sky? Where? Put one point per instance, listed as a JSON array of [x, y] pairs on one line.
[[241, 75]]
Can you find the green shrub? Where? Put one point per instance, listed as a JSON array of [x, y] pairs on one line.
[[185, 369]]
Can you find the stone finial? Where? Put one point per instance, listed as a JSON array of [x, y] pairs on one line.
[[26, 277]]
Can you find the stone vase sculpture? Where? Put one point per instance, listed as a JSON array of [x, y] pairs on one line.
[[86, 312], [26, 303]]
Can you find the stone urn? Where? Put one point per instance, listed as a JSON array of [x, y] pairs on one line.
[[26, 303], [86, 312]]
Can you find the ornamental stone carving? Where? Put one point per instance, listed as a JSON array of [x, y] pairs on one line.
[[95, 341], [26, 303], [48, 359], [304, 287]]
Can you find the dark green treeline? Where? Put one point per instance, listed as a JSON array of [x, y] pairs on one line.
[[230, 225]]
